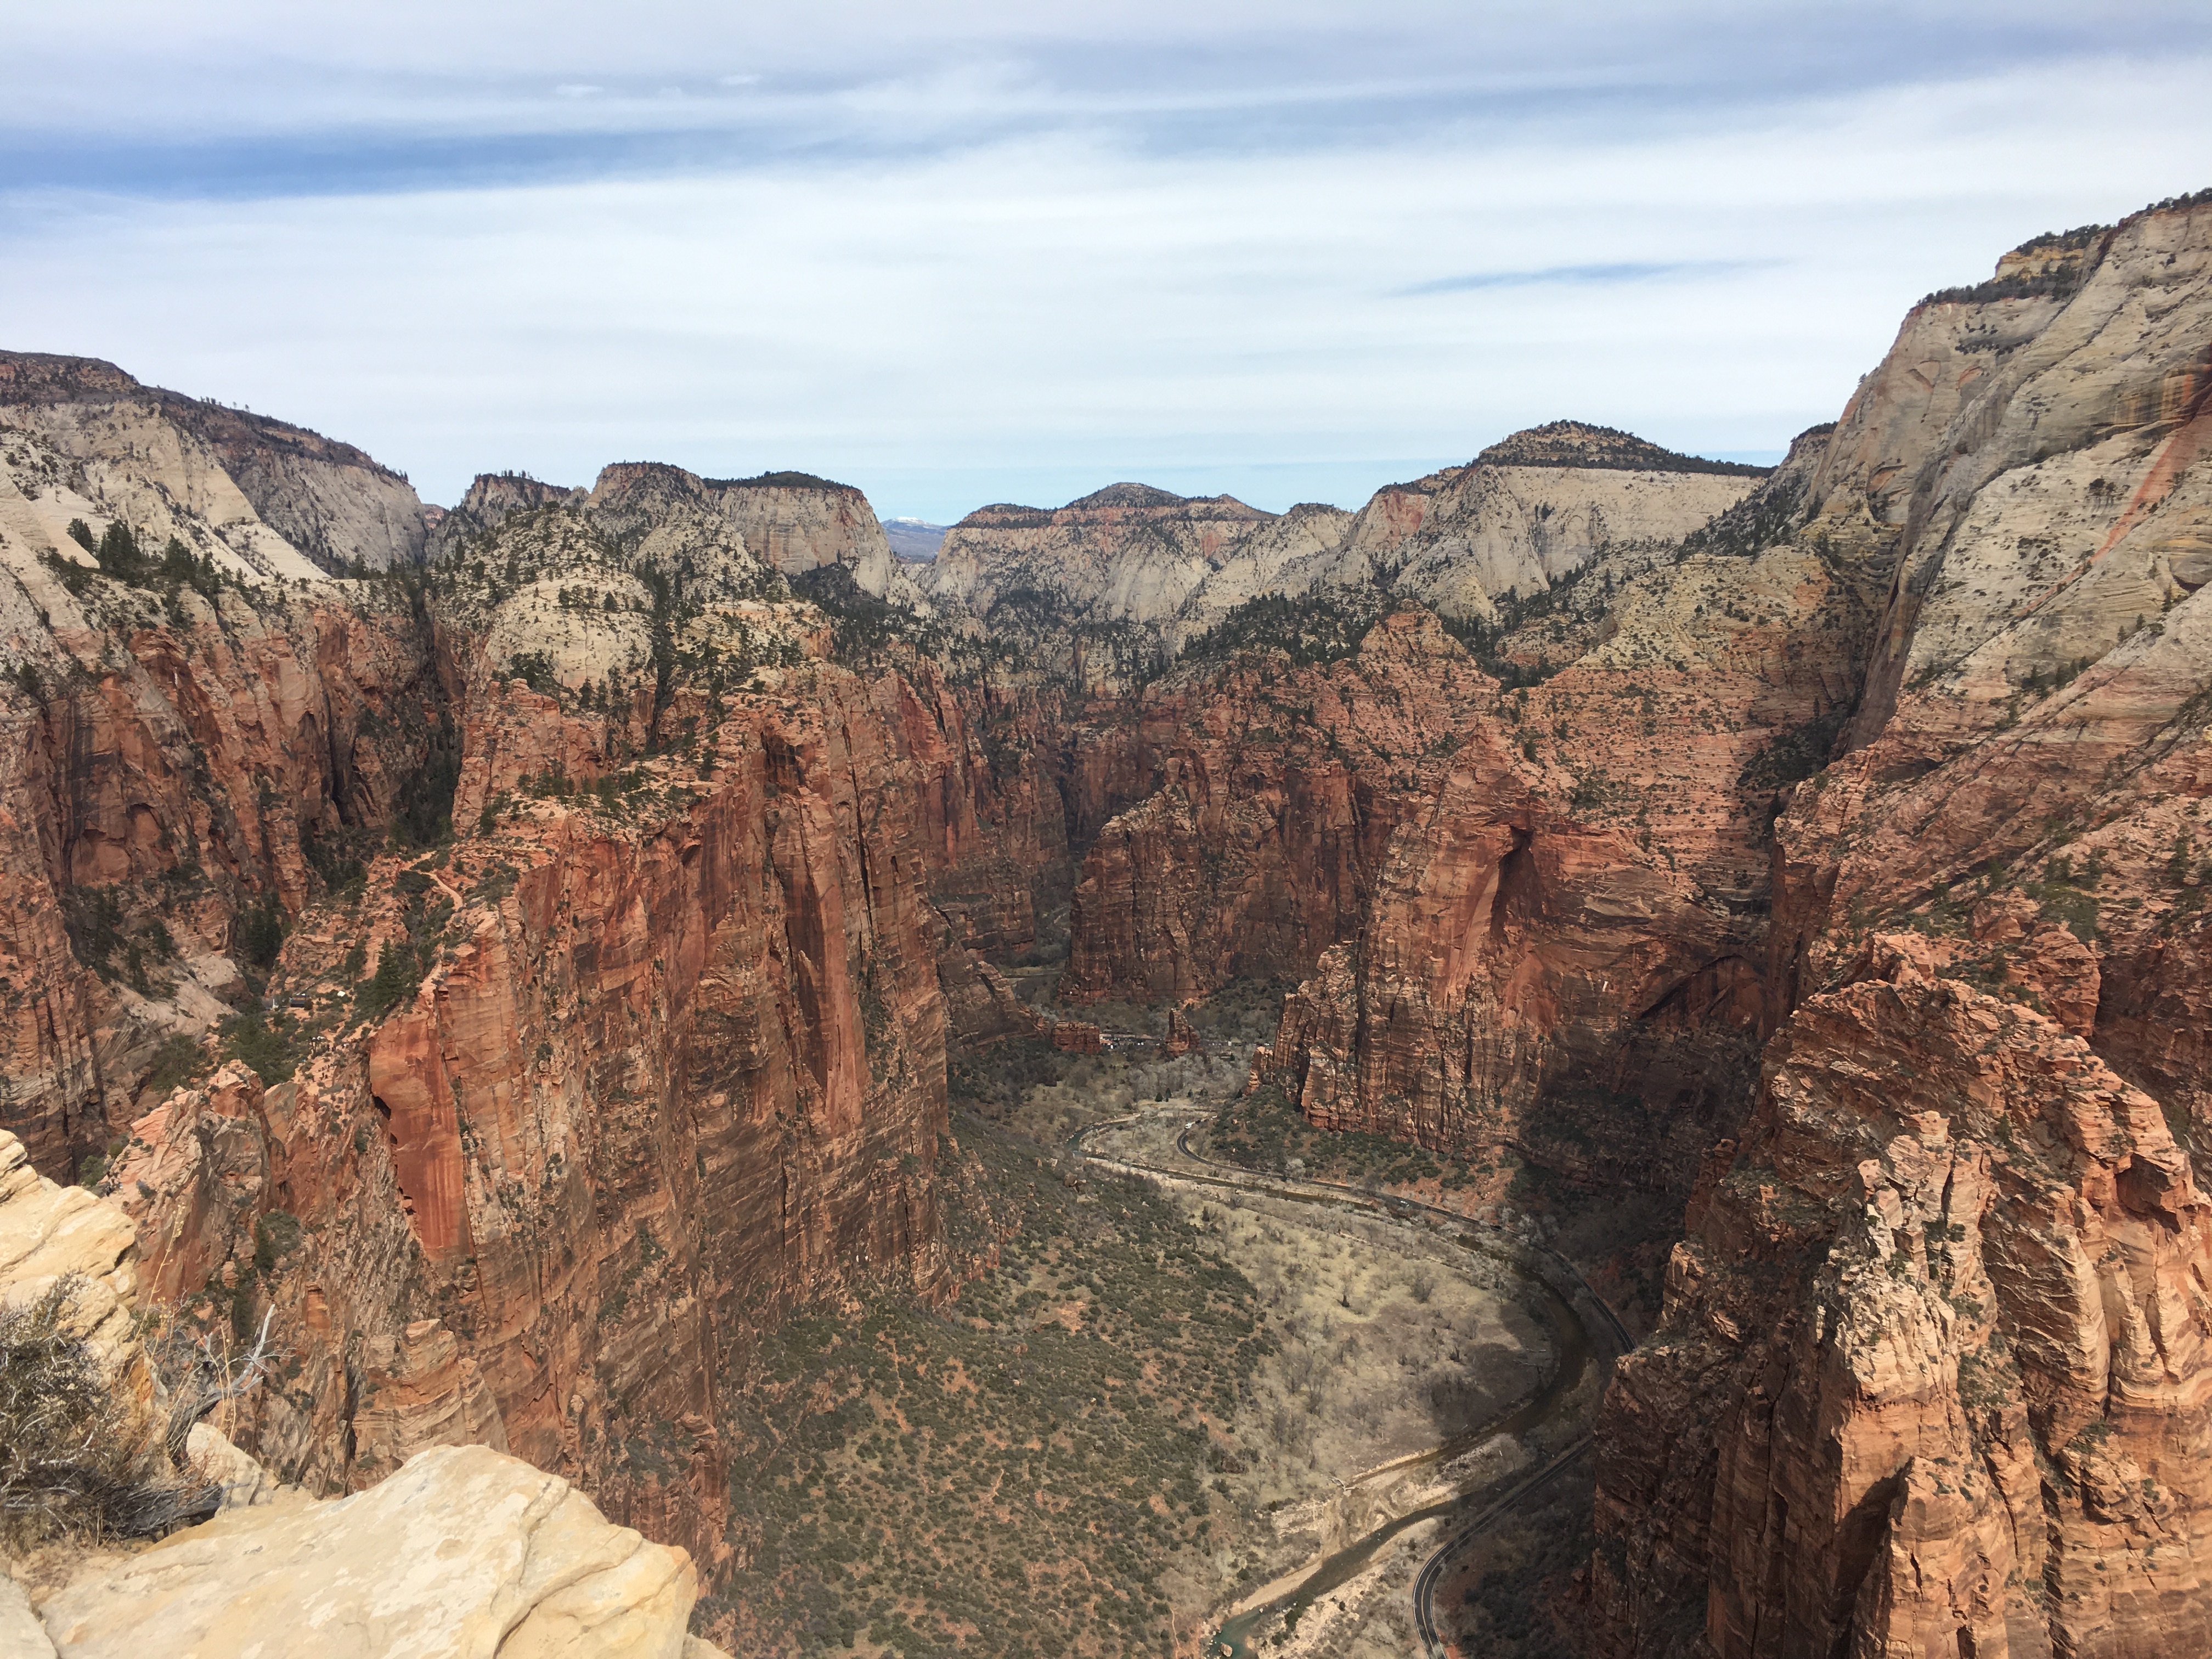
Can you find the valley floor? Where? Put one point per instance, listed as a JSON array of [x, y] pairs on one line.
[[1160, 1404]]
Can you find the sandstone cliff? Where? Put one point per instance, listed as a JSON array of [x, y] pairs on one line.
[[2024, 785], [1931, 1375], [267, 489], [664, 1052], [462, 1550], [1527, 511], [1523, 514], [1127, 553], [540, 1126], [189, 742], [1528, 920]]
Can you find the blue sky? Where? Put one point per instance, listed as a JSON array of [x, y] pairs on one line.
[[965, 253]]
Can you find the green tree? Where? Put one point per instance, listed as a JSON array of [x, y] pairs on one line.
[[119, 553], [261, 934], [394, 978]]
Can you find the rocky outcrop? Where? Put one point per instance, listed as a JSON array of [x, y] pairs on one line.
[[1931, 1375], [277, 495], [1125, 553], [1523, 514], [1291, 555], [170, 769], [1929, 1378], [53, 1236], [791, 522], [1528, 511], [21, 1632], [491, 498], [677, 1064], [463, 1552], [662, 1054]]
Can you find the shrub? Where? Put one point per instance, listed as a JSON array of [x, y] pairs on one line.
[[263, 1044], [1310, 630], [74, 1463]]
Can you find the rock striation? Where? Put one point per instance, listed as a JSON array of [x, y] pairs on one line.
[[462, 1550], [1931, 1375], [1970, 1376], [1128, 553], [1528, 511], [1523, 514], [587, 914], [276, 495]]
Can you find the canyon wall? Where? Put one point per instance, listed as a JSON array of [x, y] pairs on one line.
[[1524, 915], [1925, 709], [1528, 511], [553, 1116], [180, 751], [1929, 1375], [554, 948], [142, 448], [1127, 553]]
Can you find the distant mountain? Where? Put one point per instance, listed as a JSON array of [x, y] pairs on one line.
[[913, 541]]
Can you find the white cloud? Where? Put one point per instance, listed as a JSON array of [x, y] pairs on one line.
[[965, 320]]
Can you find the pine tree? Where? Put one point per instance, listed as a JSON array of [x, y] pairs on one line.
[[395, 977]]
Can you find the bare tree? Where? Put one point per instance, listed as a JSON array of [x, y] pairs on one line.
[[202, 1373]]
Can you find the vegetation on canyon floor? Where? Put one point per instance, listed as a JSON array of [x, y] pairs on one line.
[[1131, 1414], [1035, 1464]]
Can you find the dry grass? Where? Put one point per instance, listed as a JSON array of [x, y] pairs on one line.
[[78, 1462]]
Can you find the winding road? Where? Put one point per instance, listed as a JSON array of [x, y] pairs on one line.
[[1609, 1336]]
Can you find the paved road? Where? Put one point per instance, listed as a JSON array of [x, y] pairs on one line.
[[1237, 1177]]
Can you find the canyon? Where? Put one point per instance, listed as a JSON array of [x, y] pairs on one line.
[[535, 958]]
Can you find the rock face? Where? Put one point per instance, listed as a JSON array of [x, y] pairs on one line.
[[1528, 511], [1943, 673], [1524, 918], [273, 492], [1127, 553], [1933, 1360], [463, 1552], [792, 522], [173, 764], [1963, 1404], [1520, 516], [50, 1235], [666, 1057], [666, 1075], [658, 1061]]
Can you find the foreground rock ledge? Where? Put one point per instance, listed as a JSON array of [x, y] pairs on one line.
[[464, 1551]]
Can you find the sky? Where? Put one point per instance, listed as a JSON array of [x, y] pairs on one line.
[[974, 252]]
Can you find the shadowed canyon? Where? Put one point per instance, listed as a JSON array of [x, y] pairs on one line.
[[1603, 1056]]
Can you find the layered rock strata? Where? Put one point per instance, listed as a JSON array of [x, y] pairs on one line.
[[463, 1550], [1931, 1375], [1527, 916], [1520, 517], [276, 495], [174, 759], [1940, 1309]]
